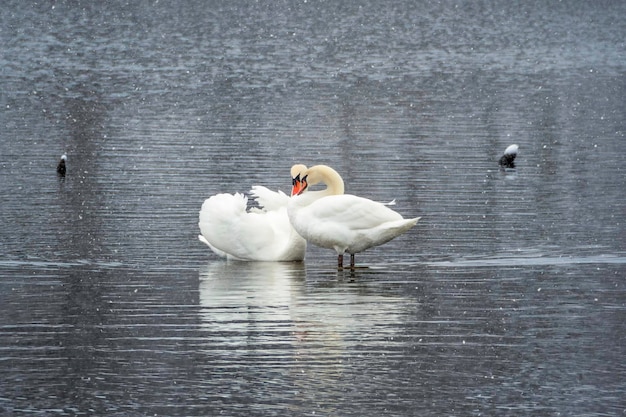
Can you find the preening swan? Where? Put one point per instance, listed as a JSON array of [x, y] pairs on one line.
[[343, 222], [233, 231]]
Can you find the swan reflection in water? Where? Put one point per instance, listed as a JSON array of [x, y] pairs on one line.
[[277, 296], [269, 318], [239, 296]]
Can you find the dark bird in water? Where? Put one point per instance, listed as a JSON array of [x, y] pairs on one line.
[[507, 160], [61, 167]]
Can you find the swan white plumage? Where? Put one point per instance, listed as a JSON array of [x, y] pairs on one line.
[[343, 222], [233, 231]]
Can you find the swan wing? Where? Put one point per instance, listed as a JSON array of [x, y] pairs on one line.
[[213, 248], [227, 227], [351, 212], [218, 216], [268, 199], [349, 223]]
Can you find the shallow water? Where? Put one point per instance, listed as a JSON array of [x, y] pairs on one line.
[[507, 298]]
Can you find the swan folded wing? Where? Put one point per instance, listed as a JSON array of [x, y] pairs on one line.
[[354, 213], [213, 248], [216, 216], [379, 235], [350, 223], [259, 236], [228, 227]]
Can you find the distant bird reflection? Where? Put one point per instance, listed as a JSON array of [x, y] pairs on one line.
[[507, 160], [61, 168]]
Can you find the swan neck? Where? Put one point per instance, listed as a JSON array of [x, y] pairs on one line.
[[330, 177]]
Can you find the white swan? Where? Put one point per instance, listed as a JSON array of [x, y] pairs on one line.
[[343, 222], [258, 234]]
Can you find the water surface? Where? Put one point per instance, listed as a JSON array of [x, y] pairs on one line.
[[507, 298]]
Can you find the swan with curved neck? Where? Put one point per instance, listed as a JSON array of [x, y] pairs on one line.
[[302, 177], [343, 222]]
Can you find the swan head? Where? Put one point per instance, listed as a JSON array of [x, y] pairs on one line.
[[302, 177], [299, 181]]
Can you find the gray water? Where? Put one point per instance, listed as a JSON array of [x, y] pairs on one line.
[[508, 298]]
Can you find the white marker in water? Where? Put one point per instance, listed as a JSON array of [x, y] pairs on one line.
[[506, 161], [61, 169]]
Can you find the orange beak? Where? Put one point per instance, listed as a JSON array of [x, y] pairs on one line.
[[299, 185]]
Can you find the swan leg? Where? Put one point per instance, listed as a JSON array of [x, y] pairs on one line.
[[352, 261], [340, 261]]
